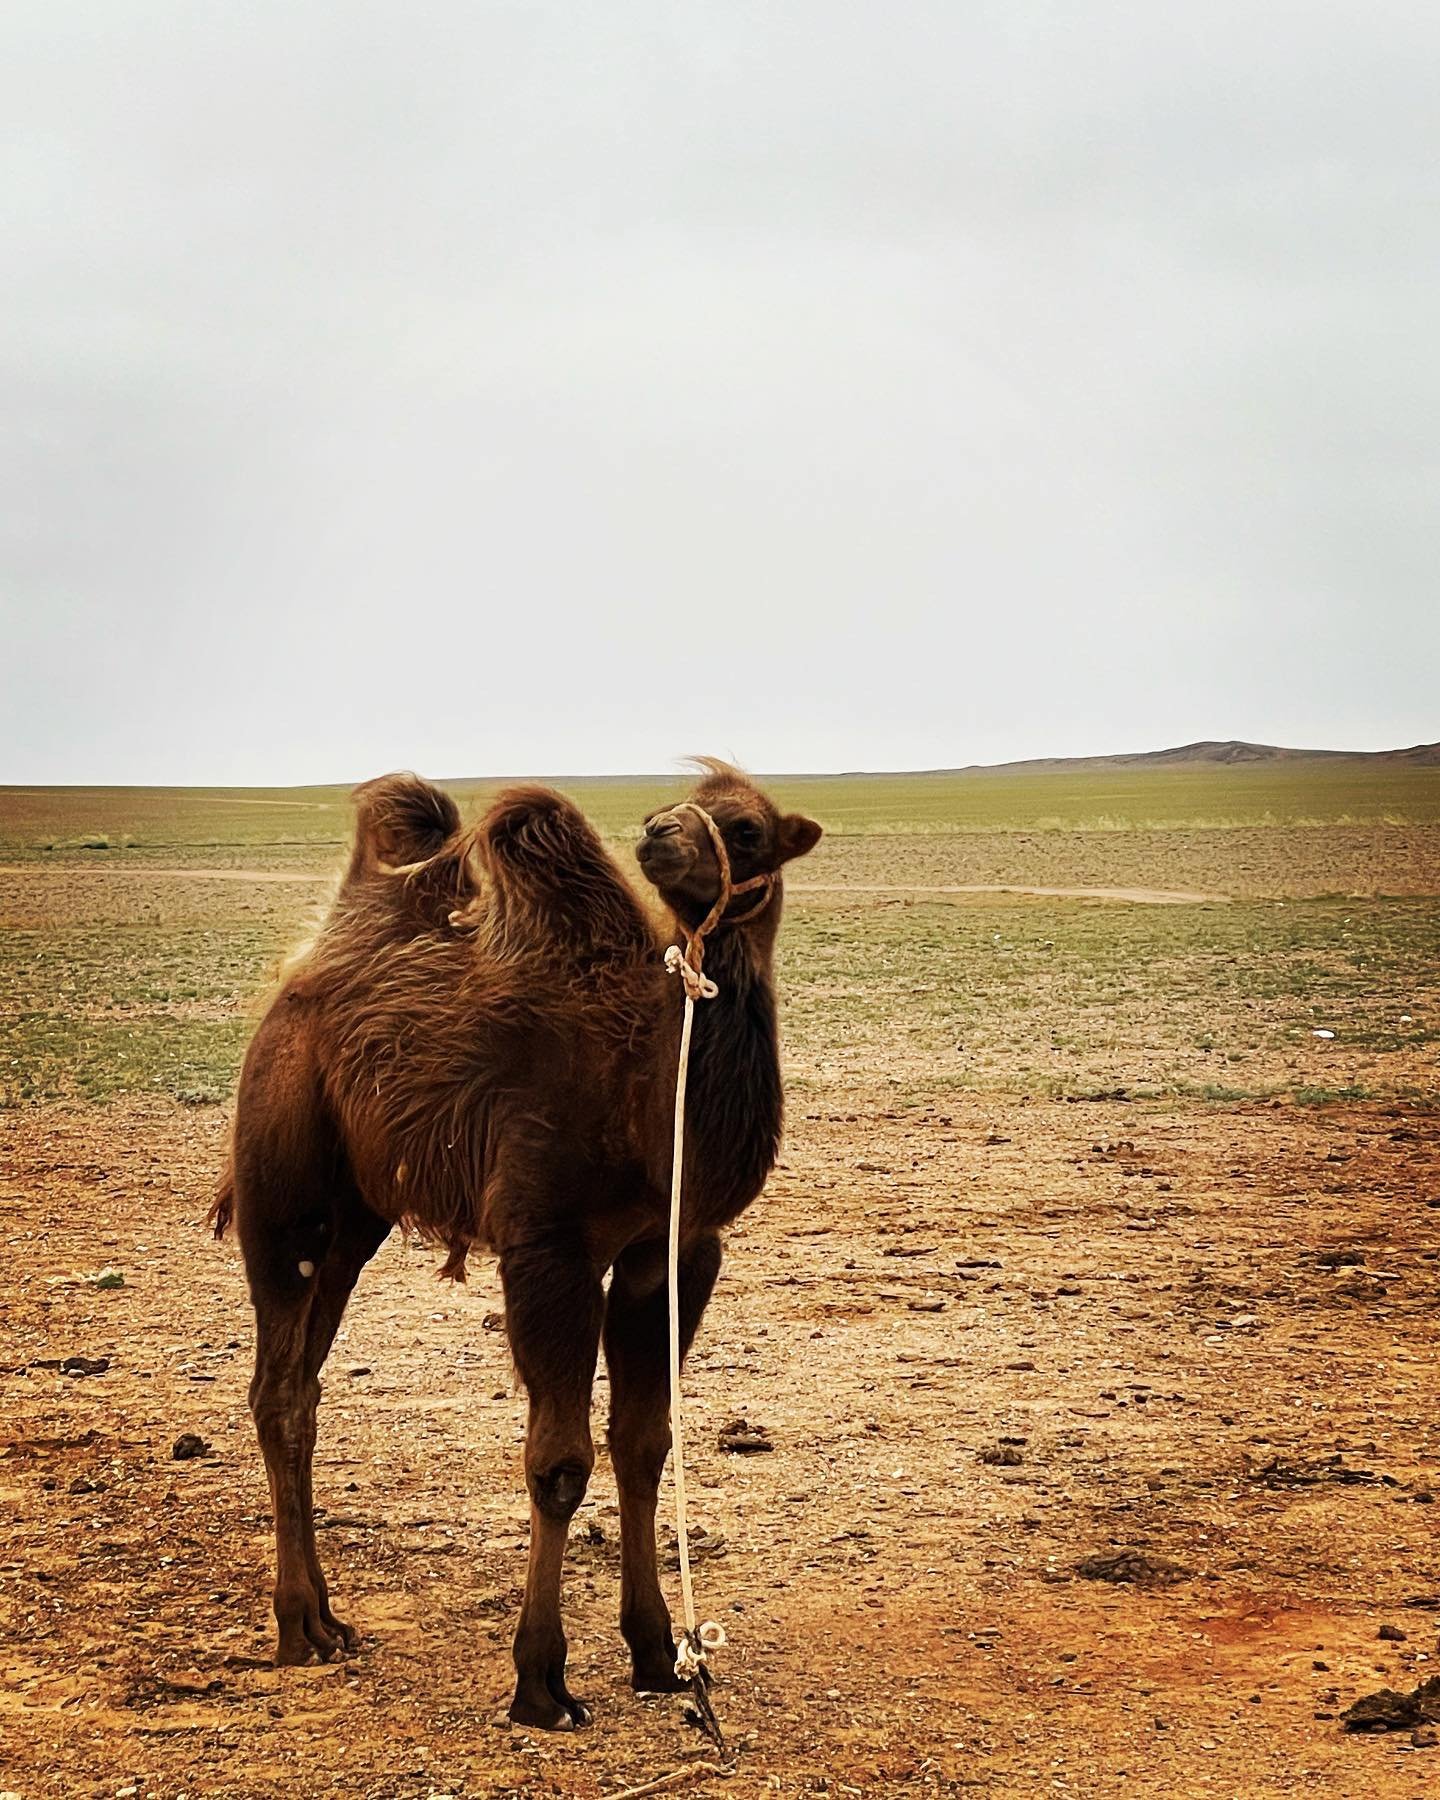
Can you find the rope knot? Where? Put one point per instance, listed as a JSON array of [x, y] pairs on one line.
[[690, 1649], [697, 985]]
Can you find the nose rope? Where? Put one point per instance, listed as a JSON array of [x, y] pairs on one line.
[[697, 1640]]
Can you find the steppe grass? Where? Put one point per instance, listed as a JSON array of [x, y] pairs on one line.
[[200, 825], [1216, 1003]]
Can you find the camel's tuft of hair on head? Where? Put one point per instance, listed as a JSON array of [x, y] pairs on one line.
[[720, 780], [716, 772]]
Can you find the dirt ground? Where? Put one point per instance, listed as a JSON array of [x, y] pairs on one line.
[[989, 1338]]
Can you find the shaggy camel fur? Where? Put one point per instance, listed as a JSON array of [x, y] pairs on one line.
[[481, 1043]]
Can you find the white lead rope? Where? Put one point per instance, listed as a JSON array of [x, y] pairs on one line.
[[690, 1649]]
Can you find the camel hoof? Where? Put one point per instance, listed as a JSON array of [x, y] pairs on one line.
[[346, 1636], [658, 1681], [544, 1712], [545, 1715]]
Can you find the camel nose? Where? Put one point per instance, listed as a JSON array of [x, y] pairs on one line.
[[662, 825]]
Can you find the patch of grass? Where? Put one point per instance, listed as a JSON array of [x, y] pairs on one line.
[[86, 1012], [1068, 1000], [121, 978], [45, 1057]]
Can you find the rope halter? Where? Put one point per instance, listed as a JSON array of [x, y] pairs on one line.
[[689, 962]]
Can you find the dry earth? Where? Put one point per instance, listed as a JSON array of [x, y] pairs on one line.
[[989, 1339], [990, 1334]]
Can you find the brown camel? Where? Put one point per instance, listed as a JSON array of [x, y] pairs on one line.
[[481, 1043]]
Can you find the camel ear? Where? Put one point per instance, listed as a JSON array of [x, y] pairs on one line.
[[797, 836]]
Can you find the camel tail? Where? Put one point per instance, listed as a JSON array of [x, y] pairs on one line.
[[222, 1207]]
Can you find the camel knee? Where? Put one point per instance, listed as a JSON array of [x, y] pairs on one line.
[[558, 1488], [279, 1405]]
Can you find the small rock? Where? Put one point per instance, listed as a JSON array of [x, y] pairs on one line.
[[741, 1438], [84, 1365], [1387, 1710], [1131, 1567], [494, 1321], [188, 1445], [1391, 1634], [927, 1306], [1361, 1287], [1425, 1737], [107, 1278], [1002, 1456]]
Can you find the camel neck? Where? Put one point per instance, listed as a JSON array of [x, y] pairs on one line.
[[733, 1112]]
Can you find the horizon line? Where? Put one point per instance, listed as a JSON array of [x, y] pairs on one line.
[[1173, 751]]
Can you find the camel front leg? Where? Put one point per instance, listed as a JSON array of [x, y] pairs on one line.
[[554, 1304], [637, 1355]]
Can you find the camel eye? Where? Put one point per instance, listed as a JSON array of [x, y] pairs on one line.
[[746, 835]]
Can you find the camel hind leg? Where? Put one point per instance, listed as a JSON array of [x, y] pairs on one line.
[[305, 1235]]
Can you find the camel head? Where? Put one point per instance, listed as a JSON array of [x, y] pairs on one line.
[[677, 855]]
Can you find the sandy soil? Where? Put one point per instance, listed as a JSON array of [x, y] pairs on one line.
[[988, 1342], [148, 873], [1239, 860], [1137, 896]]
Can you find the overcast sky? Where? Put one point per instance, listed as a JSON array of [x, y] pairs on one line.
[[555, 388]]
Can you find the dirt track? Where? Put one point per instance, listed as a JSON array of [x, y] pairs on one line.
[[1131, 1296]]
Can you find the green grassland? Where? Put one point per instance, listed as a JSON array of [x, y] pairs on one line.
[[149, 822], [924, 997], [130, 970]]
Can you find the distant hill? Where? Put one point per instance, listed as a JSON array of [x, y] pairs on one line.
[[1214, 750]]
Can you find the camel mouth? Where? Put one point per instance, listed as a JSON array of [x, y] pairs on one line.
[[665, 859]]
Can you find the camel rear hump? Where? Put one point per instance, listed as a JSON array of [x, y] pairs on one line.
[[409, 847], [401, 819]]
